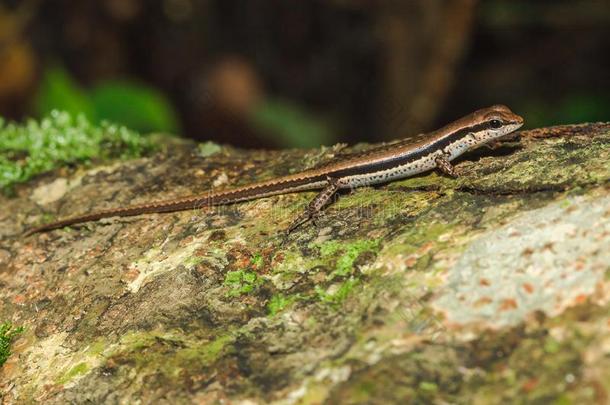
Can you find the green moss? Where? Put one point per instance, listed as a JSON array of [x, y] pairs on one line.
[[97, 347], [347, 254], [563, 400], [137, 341], [207, 149], [278, 302], [202, 354], [193, 261], [340, 294], [241, 282], [7, 335], [415, 236], [339, 260], [431, 180], [362, 197], [364, 390], [38, 146], [75, 371], [551, 346], [257, 261], [428, 386], [380, 206], [168, 352], [290, 261]]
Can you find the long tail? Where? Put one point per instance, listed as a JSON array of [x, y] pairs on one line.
[[259, 190], [158, 206]]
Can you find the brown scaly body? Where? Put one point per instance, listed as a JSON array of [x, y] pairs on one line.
[[383, 164]]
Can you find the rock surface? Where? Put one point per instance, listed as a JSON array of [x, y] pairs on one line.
[[490, 288]]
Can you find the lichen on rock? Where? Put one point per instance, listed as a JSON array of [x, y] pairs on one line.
[[489, 288]]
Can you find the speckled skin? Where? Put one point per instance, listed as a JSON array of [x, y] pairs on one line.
[[390, 162]]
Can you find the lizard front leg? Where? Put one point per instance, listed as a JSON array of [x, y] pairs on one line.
[[443, 164], [316, 205]]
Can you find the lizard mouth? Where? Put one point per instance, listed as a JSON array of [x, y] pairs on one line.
[[516, 126], [510, 132]]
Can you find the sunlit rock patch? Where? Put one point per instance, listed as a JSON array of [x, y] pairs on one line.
[[544, 260]]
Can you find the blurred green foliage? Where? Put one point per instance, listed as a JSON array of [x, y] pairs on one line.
[[58, 91], [7, 335], [38, 146], [290, 127], [570, 109], [136, 106]]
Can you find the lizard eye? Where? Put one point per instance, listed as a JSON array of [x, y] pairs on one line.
[[495, 124]]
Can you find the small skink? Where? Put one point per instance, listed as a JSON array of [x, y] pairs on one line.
[[397, 160]]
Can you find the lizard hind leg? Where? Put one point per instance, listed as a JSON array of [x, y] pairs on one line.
[[315, 206]]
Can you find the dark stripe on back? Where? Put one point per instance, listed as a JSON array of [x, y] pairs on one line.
[[410, 156], [256, 189]]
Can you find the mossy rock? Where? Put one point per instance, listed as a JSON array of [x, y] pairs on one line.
[[490, 288]]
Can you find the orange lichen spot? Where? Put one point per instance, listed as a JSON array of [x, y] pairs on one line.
[[19, 299], [579, 264], [529, 385], [426, 247], [279, 258], [508, 304], [131, 274], [528, 288], [580, 299], [411, 261], [482, 301], [484, 281]]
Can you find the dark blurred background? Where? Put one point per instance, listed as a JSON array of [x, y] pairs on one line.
[[284, 73]]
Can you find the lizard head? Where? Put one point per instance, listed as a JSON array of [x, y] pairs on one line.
[[493, 123]]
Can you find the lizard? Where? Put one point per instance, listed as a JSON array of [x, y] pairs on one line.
[[393, 161]]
